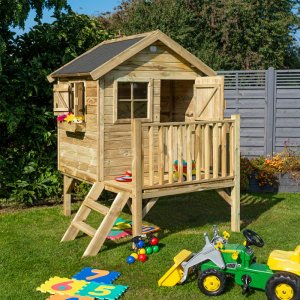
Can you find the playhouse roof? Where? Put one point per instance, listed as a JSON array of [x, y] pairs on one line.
[[107, 55]]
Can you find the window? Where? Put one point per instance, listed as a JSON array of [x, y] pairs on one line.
[[69, 97], [132, 100]]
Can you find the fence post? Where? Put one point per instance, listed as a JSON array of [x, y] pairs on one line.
[[270, 78]]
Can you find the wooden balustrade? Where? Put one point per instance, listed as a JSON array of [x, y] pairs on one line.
[[180, 153]]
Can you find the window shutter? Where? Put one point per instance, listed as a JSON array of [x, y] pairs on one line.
[[61, 98], [79, 99], [209, 97]]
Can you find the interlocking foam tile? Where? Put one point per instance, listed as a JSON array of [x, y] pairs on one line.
[[148, 229], [121, 224], [67, 297], [117, 234], [96, 275], [122, 228], [63, 286], [117, 231], [102, 291], [145, 229]]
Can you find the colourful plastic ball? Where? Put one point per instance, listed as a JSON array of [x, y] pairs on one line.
[[142, 257], [140, 244], [130, 259], [155, 249], [142, 251], [134, 255], [149, 250], [154, 241]]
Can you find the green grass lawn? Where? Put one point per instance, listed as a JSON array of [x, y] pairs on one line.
[[31, 251]]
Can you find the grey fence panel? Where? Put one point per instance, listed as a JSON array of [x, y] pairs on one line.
[[269, 104], [287, 109], [246, 94]]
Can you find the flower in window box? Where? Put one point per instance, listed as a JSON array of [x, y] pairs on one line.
[[78, 120], [61, 118], [69, 118]]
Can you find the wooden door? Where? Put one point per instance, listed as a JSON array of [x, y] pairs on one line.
[[209, 98]]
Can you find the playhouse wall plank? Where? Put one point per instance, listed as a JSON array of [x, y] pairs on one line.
[[77, 153]]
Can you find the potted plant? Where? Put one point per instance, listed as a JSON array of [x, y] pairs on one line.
[[280, 172]]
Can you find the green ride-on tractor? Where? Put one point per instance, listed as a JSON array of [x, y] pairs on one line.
[[218, 260]]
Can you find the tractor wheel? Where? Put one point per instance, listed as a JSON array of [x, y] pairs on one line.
[[211, 282], [283, 286]]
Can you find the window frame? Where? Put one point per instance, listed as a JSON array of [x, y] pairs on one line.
[[72, 94], [149, 101]]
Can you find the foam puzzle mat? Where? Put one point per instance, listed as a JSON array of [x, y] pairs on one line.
[[87, 284], [66, 297], [96, 275], [122, 228]]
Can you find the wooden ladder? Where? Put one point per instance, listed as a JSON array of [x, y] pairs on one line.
[[89, 204]]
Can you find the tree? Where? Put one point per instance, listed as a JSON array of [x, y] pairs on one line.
[[14, 14], [226, 34], [248, 34], [172, 17], [27, 125]]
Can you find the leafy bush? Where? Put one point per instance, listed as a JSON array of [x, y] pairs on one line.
[[28, 149], [246, 170], [82, 188]]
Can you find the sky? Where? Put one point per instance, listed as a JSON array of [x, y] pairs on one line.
[[88, 7]]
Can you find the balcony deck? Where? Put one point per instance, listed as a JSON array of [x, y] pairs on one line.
[[166, 189]]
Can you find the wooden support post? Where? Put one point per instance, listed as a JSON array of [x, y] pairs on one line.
[[151, 155], [231, 149], [198, 150], [189, 153], [224, 195], [235, 192], [68, 187], [129, 204], [170, 154], [150, 203], [215, 151], [207, 151], [180, 153], [161, 155], [224, 156], [137, 177]]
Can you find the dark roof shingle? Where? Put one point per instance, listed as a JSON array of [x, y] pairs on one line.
[[97, 57]]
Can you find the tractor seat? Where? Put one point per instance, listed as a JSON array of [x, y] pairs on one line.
[[288, 261]]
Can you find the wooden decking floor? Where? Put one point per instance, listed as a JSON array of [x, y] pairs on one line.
[[174, 188]]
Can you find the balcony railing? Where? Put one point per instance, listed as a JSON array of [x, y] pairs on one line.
[[180, 153]]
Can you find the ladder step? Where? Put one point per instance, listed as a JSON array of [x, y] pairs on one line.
[[107, 224], [97, 207], [89, 230]]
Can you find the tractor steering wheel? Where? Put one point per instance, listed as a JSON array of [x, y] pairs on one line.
[[252, 238]]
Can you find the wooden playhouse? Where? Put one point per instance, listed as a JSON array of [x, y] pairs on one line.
[[151, 107]]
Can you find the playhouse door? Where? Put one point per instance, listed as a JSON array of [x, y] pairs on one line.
[[209, 98]]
